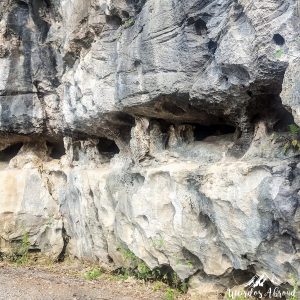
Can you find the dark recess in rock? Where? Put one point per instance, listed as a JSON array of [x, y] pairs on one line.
[[66, 239], [42, 25], [179, 108], [278, 39], [200, 27], [249, 93], [269, 108], [125, 14], [107, 147], [114, 21], [190, 21], [136, 4], [10, 152], [212, 46], [201, 132], [137, 63], [56, 149]]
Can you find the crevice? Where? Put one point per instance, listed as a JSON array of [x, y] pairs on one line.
[[114, 21], [107, 147], [212, 46], [56, 149], [10, 152], [200, 27], [66, 239]]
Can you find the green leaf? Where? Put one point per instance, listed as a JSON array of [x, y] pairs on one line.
[[279, 53], [294, 129]]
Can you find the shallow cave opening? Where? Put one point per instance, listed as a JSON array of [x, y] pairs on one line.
[[56, 149], [269, 108], [114, 21], [201, 132], [10, 152], [278, 39], [107, 147], [200, 27]]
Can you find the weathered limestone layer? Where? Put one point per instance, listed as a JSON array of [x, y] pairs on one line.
[[153, 125]]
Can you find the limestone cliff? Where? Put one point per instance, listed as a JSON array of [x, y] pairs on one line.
[[153, 125]]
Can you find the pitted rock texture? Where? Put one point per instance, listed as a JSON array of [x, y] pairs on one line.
[[155, 126]]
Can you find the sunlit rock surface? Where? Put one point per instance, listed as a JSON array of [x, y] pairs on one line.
[[155, 126]]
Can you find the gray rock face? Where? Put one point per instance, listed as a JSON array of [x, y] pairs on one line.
[[156, 126], [291, 89]]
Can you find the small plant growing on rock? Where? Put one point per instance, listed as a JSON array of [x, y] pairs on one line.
[[170, 294], [293, 142], [295, 289], [23, 250], [128, 255], [128, 23], [158, 243], [139, 269], [93, 274], [279, 53], [19, 252], [136, 267], [143, 271]]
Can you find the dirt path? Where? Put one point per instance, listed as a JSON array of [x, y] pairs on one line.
[[35, 283]]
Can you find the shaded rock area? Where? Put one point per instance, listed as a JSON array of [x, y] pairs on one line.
[[153, 126]]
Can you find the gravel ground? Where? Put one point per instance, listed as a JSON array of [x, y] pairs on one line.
[[36, 283]]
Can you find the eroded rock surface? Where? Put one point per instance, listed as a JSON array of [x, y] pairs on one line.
[[156, 126]]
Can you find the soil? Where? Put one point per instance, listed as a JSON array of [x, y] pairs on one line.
[[62, 282]]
